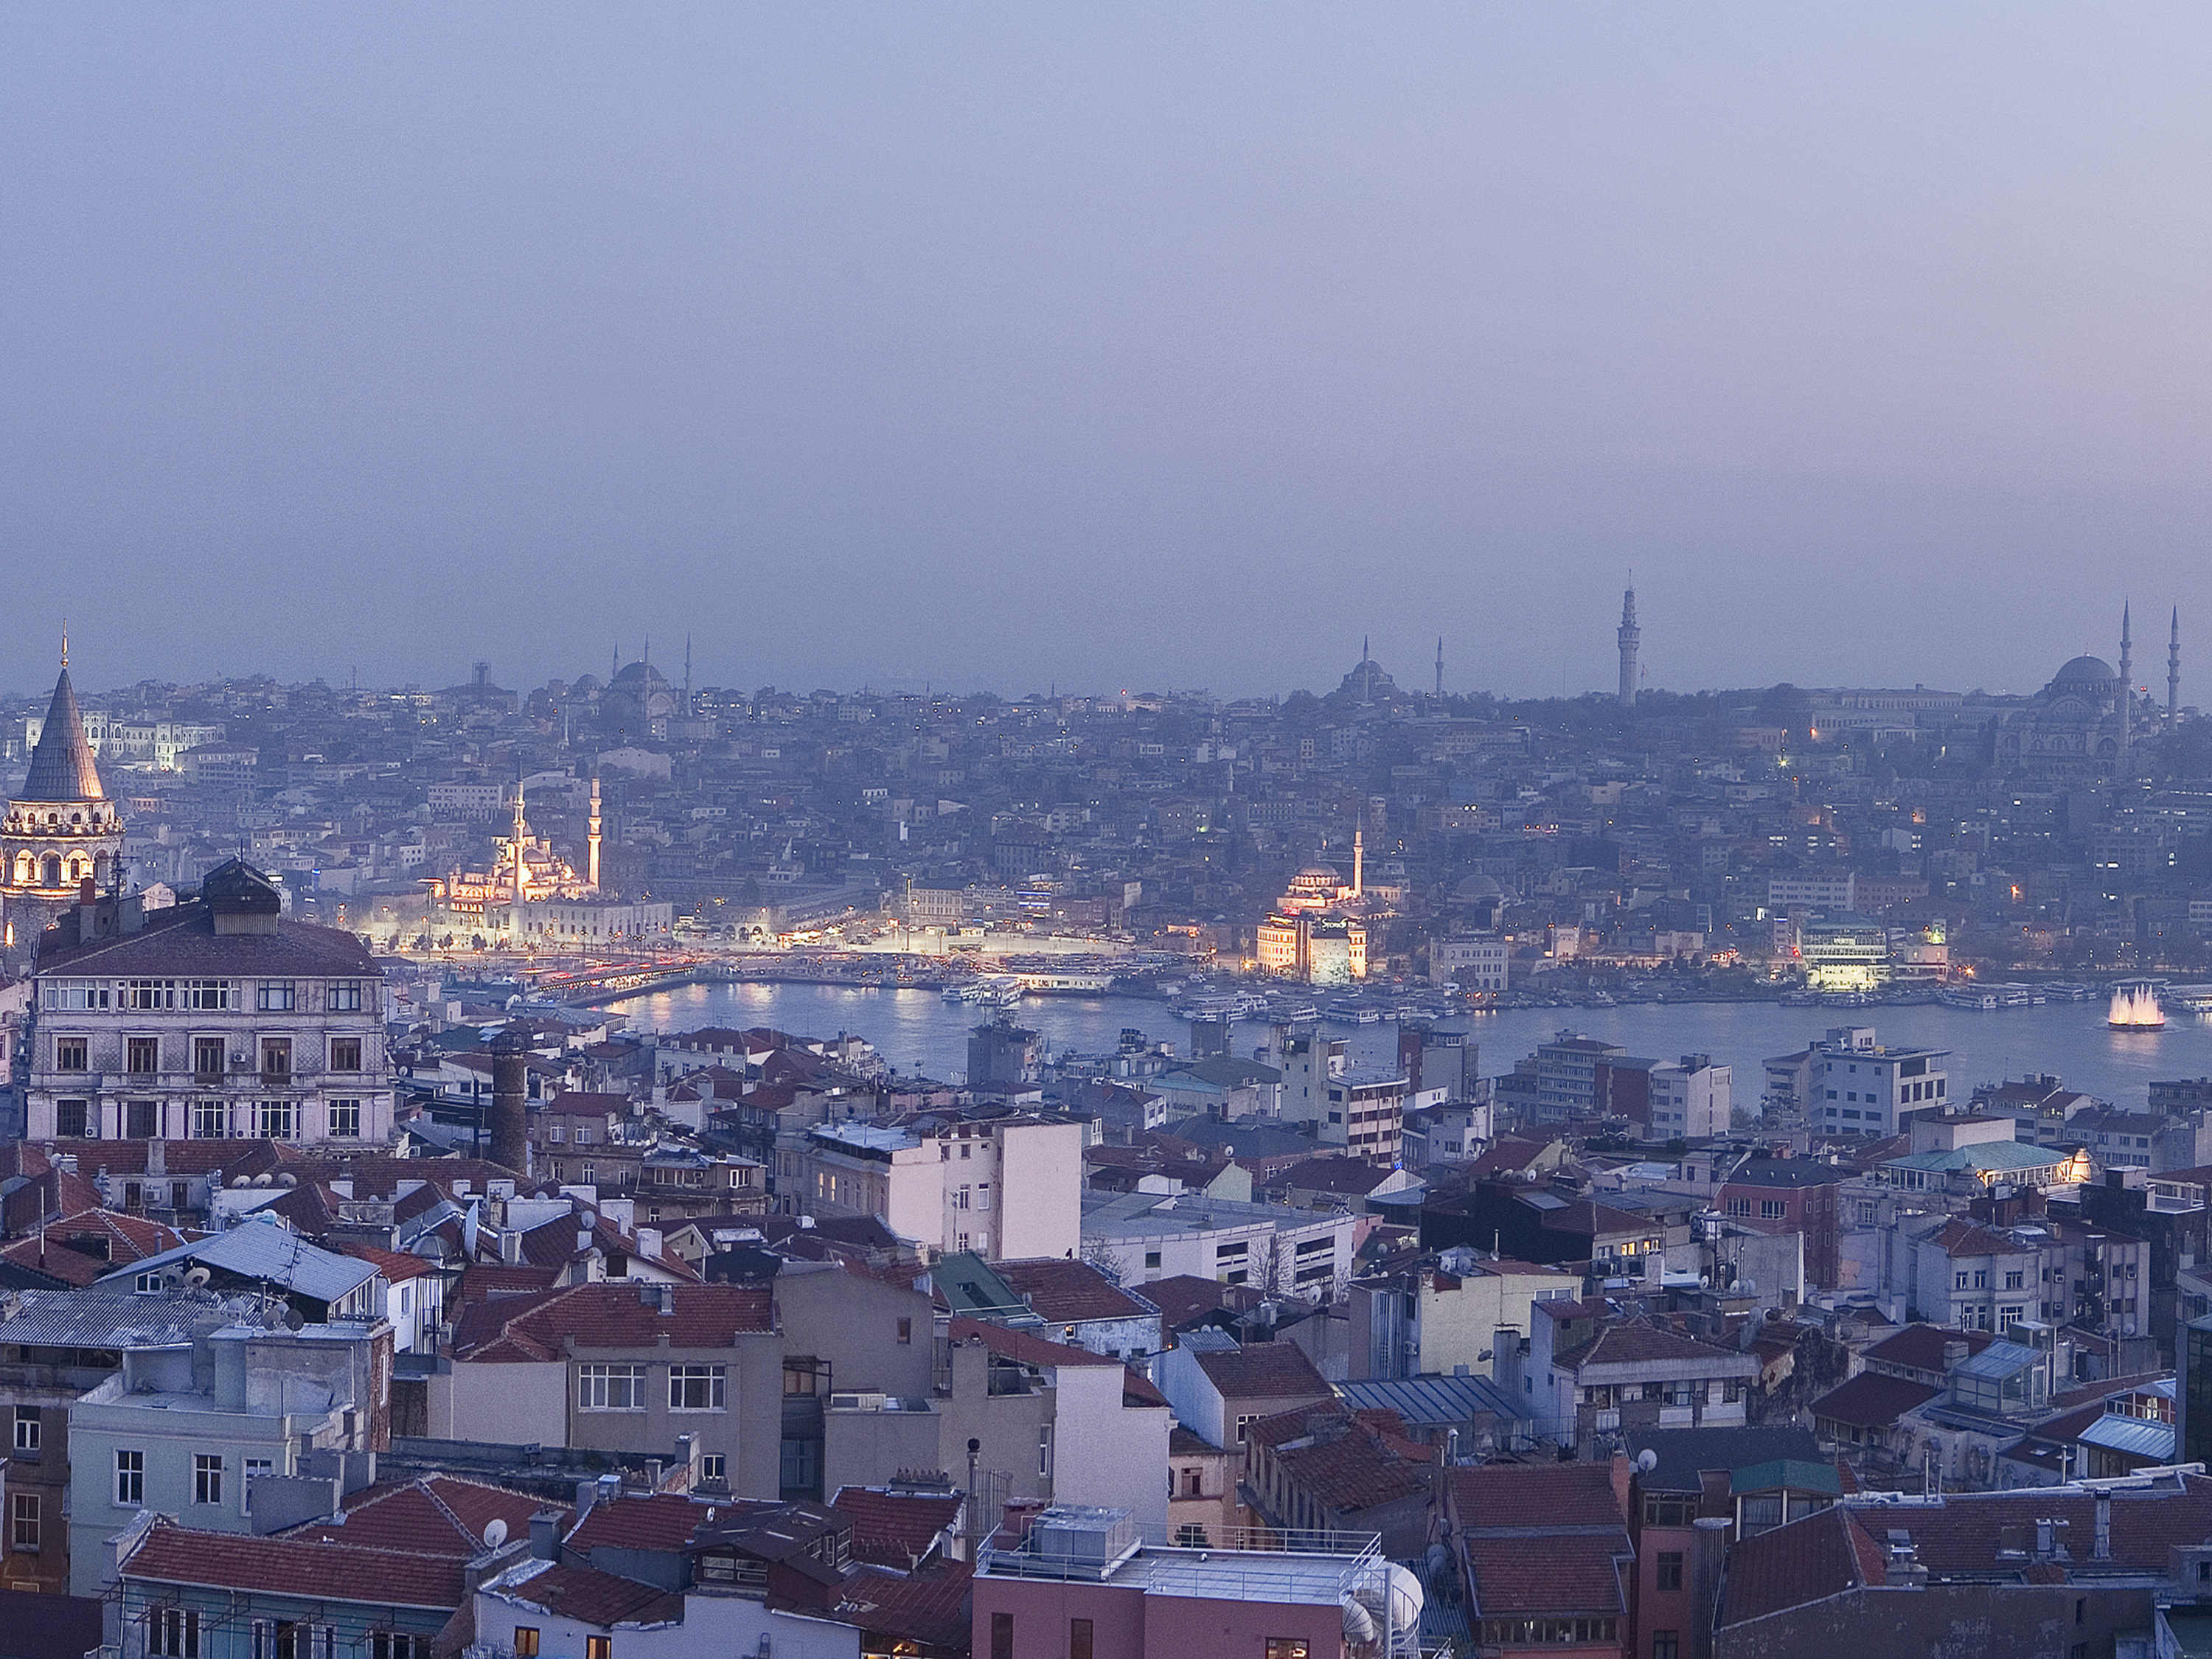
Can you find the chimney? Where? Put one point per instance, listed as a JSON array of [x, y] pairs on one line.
[[510, 1128], [545, 1533], [2103, 1548], [1954, 1355]]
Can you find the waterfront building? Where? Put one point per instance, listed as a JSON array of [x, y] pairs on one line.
[[1859, 1088]]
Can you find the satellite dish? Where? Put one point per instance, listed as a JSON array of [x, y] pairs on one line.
[[288, 1179], [264, 1179], [197, 1278], [1646, 1461], [495, 1533]]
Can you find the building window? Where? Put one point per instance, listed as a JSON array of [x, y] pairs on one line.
[[906, 1333], [210, 1119], [695, 1388], [130, 1478], [526, 1641], [207, 996], [1002, 1638], [345, 1053], [610, 1387], [71, 1053], [346, 996], [1078, 1638], [142, 1056], [142, 1118], [1044, 1451], [71, 1117], [1670, 1570], [149, 994], [345, 1119], [207, 1057], [207, 1478], [23, 1522], [390, 1644], [1288, 1647], [598, 1647], [799, 1376], [714, 1468], [280, 1119], [173, 1632], [277, 1057], [274, 998], [1771, 1209], [27, 1430], [1151, 1259], [1666, 1644]]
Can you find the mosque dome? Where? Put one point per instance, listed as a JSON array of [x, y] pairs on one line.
[[637, 677], [1477, 888], [1316, 876], [2086, 668]]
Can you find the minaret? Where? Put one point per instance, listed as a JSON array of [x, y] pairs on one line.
[[1358, 861], [591, 840], [521, 871], [2174, 673], [1629, 636], [1440, 668], [1366, 674], [2127, 684]]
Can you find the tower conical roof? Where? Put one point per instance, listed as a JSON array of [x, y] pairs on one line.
[[61, 766]]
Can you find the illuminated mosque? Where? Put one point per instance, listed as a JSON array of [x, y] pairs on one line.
[[2089, 719]]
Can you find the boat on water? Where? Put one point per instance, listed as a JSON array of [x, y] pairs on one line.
[[2135, 1006]]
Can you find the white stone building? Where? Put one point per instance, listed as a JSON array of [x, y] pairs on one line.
[[217, 1017]]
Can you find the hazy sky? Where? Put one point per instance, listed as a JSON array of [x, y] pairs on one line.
[[1104, 345]]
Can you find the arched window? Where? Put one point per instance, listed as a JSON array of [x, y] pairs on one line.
[[52, 873]]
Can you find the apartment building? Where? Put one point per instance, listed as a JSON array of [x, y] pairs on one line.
[[1001, 1187], [214, 1017]]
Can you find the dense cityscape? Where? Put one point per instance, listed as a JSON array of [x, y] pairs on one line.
[[374, 1199], [908, 831]]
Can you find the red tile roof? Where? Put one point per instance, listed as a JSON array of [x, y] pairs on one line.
[[1638, 1344], [568, 1590], [895, 1529], [1920, 1347], [1823, 1555], [280, 1566], [396, 1266], [437, 1514], [1346, 1465], [1559, 1573], [931, 1607], [1265, 1371], [1021, 1345], [611, 1314], [1870, 1400], [1535, 1495], [1060, 1292]]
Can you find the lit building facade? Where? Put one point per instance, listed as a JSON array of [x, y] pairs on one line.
[[61, 830]]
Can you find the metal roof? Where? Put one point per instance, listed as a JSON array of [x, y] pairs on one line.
[[2137, 1436], [61, 766], [263, 1251], [1998, 1361], [1429, 1401], [120, 1318]]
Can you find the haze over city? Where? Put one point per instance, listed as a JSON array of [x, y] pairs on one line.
[[1000, 346]]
